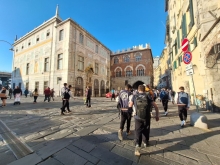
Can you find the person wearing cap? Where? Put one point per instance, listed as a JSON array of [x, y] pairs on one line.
[[182, 100]]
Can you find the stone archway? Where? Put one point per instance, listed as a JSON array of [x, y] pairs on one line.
[[137, 83], [79, 87], [102, 88], [96, 88]]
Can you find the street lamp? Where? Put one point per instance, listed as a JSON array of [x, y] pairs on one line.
[[9, 44]]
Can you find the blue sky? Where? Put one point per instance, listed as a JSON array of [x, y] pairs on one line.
[[118, 24]]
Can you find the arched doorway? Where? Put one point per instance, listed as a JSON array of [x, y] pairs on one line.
[[96, 88], [79, 87], [102, 88], [137, 83], [107, 87]]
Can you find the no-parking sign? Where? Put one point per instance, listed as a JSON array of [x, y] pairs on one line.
[[185, 44], [187, 57]]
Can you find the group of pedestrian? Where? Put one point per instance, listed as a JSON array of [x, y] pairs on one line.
[[139, 104]]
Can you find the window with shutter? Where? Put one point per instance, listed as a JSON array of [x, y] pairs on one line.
[[195, 42], [178, 39], [184, 27], [191, 13]]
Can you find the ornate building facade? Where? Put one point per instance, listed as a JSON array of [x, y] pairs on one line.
[[60, 51], [132, 66]]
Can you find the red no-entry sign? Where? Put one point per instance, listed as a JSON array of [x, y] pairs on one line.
[[185, 44]]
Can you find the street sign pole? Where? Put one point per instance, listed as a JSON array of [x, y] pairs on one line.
[[194, 91]]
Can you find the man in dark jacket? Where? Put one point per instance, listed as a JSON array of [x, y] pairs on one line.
[[47, 94], [66, 96], [88, 97]]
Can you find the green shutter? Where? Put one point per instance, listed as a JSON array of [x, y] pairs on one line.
[[195, 42], [184, 27], [178, 39], [191, 13], [176, 50]]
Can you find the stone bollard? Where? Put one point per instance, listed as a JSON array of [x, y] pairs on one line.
[[198, 120]]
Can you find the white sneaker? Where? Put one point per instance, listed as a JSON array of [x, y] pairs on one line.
[[166, 113], [182, 123]]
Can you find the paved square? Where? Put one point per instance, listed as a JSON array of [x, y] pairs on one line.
[[89, 136]]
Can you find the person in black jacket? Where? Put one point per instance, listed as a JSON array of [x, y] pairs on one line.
[[66, 96], [88, 97]]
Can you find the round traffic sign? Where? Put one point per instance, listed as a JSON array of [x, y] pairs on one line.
[[187, 57], [185, 44]]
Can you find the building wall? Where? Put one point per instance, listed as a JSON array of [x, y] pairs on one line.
[[70, 48], [146, 63]]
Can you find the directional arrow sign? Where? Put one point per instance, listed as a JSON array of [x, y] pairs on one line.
[[185, 44]]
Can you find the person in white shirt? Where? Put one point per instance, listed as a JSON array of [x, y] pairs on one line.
[[182, 99]]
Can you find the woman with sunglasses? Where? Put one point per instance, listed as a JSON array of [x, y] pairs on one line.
[[3, 91]]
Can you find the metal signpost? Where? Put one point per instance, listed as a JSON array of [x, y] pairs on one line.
[[187, 58]]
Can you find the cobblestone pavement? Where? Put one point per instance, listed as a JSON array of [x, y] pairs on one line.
[[89, 136]]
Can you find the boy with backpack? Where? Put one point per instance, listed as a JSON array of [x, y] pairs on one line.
[[182, 100], [66, 94], [164, 96], [124, 99], [142, 103]]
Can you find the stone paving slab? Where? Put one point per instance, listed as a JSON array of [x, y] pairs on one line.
[[50, 161], [109, 157], [83, 154], [67, 157], [31, 159]]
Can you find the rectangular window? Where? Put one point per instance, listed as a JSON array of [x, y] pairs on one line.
[[60, 61], [184, 27], [96, 68], [195, 42], [191, 14], [37, 85], [176, 50], [61, 35], [178, 39], [37, 39], [81, 63], [59, 80], [45, 85], [19, 85], [27, 69], [27, 85], [140, 72], [48, 33], [46, 64], [108, 71], [13, 85], [15, 72], [96, 49], [81, 37]]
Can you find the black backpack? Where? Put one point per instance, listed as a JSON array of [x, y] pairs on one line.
[[141, 106]]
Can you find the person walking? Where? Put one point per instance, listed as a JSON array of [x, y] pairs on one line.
[[35, 94], [47, 94], [142, 104], [26, 92], [17, 95], [4, 97], [10, 93], [182, 99], [88, 97], [52, 94], [124, 98], [66, 96], [164, 96], [113, 94]]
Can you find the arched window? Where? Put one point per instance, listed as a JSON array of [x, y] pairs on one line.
[[140, 72], [116, 60], [126, 59], [118, 73], [138, 58], [128, 73]]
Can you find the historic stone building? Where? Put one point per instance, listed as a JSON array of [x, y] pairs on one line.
[[60, 51], [132, 66], [199, 22]]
